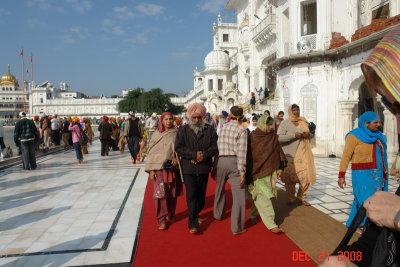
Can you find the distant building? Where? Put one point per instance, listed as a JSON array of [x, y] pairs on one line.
[[11, 97], [45, 98]]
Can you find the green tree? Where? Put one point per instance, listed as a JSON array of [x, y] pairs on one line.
[[148, 102], [114, 96], [130, 102]]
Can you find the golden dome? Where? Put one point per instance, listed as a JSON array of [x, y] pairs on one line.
[[8, 79]]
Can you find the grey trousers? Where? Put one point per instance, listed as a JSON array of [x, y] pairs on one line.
[[28, 155], [227, 169]]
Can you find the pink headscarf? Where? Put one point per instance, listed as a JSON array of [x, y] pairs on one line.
[[161, 127], [196, 109]]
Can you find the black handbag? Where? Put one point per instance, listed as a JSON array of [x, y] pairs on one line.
[[167, 165], [312, 127]]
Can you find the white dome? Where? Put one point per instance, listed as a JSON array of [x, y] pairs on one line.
[[217, 60]]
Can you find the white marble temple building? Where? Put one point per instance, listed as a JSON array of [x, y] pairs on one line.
[[284, 46], [45, 98]]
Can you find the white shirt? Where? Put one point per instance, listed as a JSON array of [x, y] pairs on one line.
[[151, 124], [55, 124]]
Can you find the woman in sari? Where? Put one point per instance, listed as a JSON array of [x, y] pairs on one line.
[[167, 185], [121, 142], [143, 145], [295, 136], [265, 163], [89, 130], [365, 147], [85, 136]]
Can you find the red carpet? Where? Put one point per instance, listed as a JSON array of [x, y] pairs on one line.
[[216, 246]]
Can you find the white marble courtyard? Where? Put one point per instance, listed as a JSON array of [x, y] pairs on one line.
[[63, 214]]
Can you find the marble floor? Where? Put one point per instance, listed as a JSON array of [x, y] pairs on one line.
[[326, 195], [63, 214]]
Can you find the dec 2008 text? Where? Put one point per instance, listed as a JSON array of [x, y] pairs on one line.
[[300, 255]]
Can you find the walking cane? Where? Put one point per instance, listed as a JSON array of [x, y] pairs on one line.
[[179, 164]]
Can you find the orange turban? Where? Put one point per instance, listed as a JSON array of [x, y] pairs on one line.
[[196, 109]]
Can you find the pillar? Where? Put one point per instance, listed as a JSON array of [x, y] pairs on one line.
[[215, 83], [262, 77], [345, 123], [390, 130]]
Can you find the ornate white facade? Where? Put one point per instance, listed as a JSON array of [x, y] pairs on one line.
[[45, 98], [283, 46]]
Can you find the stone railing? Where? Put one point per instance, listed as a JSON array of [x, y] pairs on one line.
[[83, 101], [265, 30], [193, 94]]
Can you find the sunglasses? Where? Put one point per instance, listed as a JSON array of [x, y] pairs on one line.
[[197, 117]]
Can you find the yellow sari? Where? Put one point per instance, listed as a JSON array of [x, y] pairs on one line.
[[303, 159]]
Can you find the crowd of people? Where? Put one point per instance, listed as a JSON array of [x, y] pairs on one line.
[[44, 132], [251, 151]]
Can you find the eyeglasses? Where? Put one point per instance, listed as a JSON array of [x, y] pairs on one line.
[[197, 117]]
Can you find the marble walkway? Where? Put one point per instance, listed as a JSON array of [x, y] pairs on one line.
[[326, 195], [63, 214]]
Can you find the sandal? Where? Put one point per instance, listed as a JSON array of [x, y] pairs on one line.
[[162, 226], [305, 203], [241, 232], [193, 231], [277, 230], [360, 230]]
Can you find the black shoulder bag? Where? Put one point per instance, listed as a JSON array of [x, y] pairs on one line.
[[381, 242]]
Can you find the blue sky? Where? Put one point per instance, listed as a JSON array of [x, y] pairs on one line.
[[104, 46]]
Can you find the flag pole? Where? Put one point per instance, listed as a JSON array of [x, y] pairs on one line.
[[31, 60], [23, 80]]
